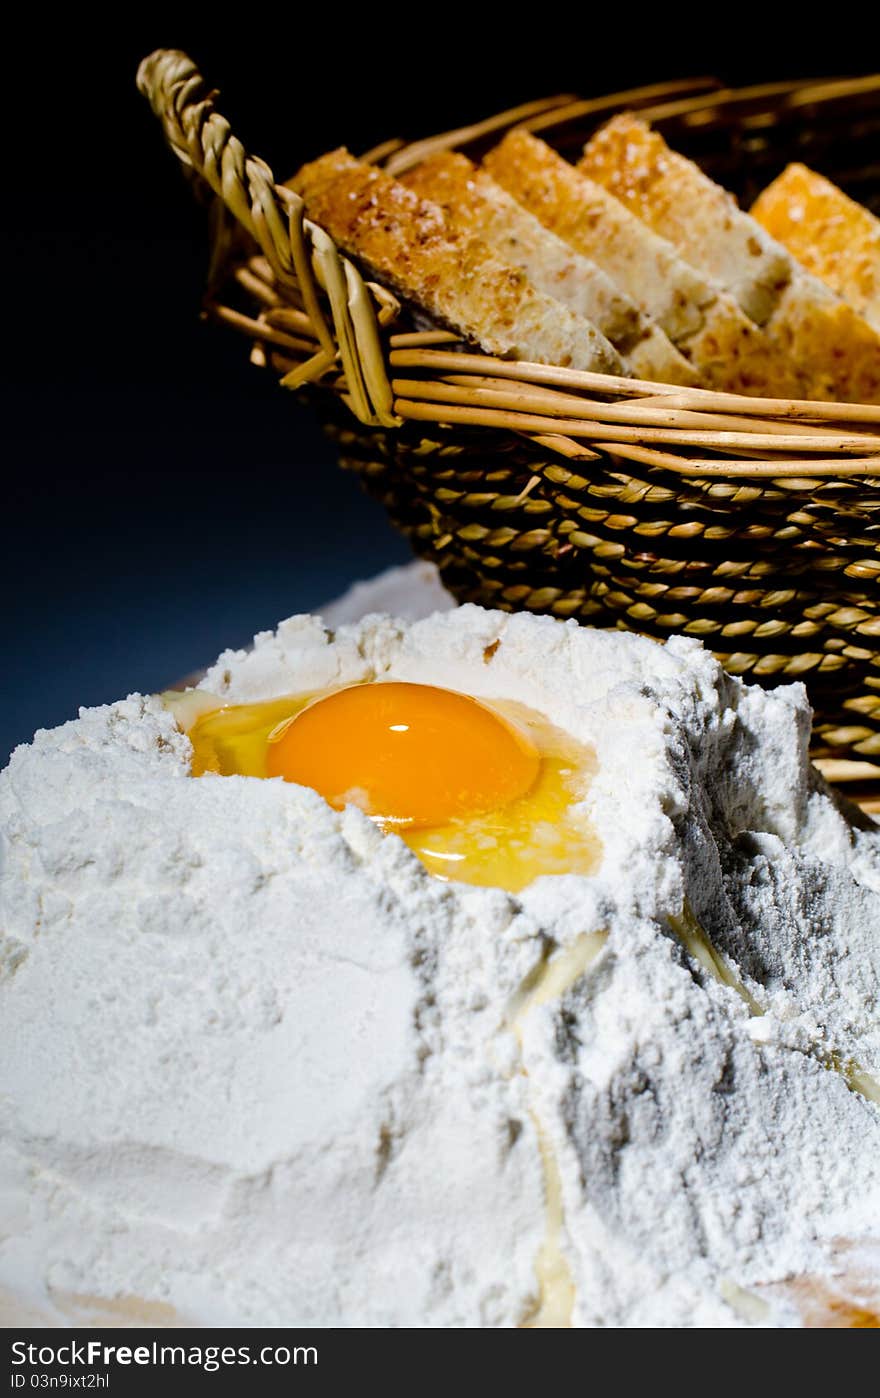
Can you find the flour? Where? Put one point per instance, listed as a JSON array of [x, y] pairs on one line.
[[257, 1067]]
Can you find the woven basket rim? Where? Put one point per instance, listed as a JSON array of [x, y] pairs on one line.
[[388, 377]]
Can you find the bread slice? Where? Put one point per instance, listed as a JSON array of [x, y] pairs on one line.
[[676, 200], [408, 243], [830, 234], [474, 202], [705, 323], [835, 349]]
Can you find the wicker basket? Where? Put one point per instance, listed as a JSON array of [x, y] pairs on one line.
[[747, 522]]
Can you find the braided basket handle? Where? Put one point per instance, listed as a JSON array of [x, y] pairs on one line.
[[303, 258]]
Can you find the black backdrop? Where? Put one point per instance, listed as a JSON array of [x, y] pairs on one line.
[[161, 498]]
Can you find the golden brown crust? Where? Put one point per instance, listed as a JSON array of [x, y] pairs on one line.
[[646, 267], [834, 345], [474, 202], [408, 243], [835, 351], [830, 234], [726, 349], [737, 356], [674, 198]]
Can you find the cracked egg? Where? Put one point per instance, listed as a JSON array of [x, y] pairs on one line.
[[484, 792]]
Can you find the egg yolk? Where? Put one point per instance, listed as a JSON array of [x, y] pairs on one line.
[[483, 792], [406, 754]]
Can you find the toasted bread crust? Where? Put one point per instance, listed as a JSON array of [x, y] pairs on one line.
[[834, 349], [408, 243], [830, 234], [726, 348], [834, 345], [674, 198], [646, 267], [473, 201]]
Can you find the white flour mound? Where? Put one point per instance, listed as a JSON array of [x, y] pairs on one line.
[[257, 1067]]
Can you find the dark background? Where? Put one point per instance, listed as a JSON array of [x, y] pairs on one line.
[[162, 499]]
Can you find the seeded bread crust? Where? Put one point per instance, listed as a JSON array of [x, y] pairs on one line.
[[835, 349], [409, 244], [674, 198], [830, 234], [705, 323], [475, 203]]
